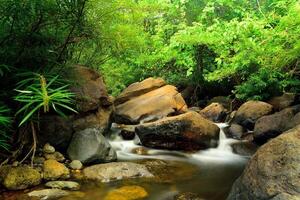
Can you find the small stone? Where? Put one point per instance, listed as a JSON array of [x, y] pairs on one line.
[[127, 193], [69, 185], [38, 160], [48, 148], [54, 170], [55, 156], [140, 151], [76, 164], [15, 164], [48, 194]]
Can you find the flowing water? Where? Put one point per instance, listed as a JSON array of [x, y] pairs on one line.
[[209, 173]]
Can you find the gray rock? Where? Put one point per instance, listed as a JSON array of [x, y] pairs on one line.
[[76, 164], [273, 170], [48, 149], [47, 194], [90, 146], [69, 185], [116, 171]]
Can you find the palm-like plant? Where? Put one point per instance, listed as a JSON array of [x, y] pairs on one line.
[[4, 126]]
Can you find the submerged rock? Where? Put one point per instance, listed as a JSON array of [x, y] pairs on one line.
[[54, 170], [250, 112], [273, 170], [187, 196], [47, 194], [69, 185], [189, 131], [90, 146], [151, 106], [116, 171], [19, 178], [127, 193]]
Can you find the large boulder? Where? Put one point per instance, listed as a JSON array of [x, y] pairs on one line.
[[273, 171], [90, 146], [250, 112], [214, 112], [90, 89], [138, 89], [284, 101], [153, 105], [18, 178], [271, 126], [55, 130], [116, 171], [189, 131]]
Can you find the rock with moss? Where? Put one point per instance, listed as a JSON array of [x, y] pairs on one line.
[[54, 170], [18, 178]]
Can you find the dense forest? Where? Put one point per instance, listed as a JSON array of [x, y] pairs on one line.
[[242, 49]]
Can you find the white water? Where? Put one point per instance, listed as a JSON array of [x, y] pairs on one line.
[[222, 153]]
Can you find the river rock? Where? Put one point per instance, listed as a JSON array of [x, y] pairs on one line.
[[235, 131], [54, 170], [151, 106], [48, 149], [250, 112], [55, 130], [187, 196], [69, 185], [273, 170], [116, 171], [271, 126], [131, 192], [48, 194], [139, 88], [55, 156], [214, 112], [76, 165], [19, 178], [223, 100], [90, 90], [90, 146], [282, 102], [189, 131], [245, 148]]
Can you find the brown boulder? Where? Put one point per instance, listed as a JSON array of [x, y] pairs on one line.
[[214, 112], [284, 101], [139, 88], [251, 111], [273, 170], [271, 126], [150, 106], [189, 131], [90, 90]]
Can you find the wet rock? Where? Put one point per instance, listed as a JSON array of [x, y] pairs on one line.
[[140, 151], [116, 171], [127, 135], [55, 130], [235, 131], [54, 170], [138, 89], [250, 112], [18, 178], [189, 131], [127, 193], [187, 196], [151, 106], [90, 90], [55, 156], [99, 119], [76, 165], [68, 185], [273, 170], [48, 149], [270, 126], [282, 102], [214, 112], [223, 100], [90, 146], [244, 148], [47, 194]]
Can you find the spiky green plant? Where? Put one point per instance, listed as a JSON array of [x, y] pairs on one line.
[[42, 96], [5, 122]]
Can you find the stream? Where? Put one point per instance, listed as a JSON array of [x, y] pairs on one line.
[[209, 173]]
